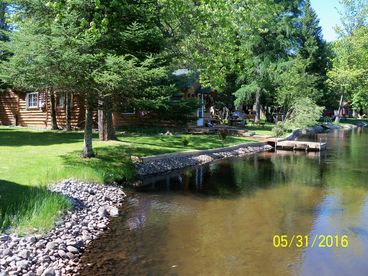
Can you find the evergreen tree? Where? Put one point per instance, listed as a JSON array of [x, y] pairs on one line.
[[266, 41], [313, 49]]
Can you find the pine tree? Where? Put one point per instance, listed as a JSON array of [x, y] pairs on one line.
[[313, 50], [266, 42]]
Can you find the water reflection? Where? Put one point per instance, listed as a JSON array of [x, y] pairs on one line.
[[220, 218]]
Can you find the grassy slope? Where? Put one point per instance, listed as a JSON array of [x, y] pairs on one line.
[[31, 159]]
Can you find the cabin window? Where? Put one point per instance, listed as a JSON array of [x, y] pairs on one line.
[[32, 100], [128, 110], [60, 101]]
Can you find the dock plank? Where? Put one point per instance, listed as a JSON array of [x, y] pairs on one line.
[[301, 145]]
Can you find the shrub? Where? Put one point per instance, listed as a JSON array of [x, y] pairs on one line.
[[277, 131], [223, 133], [304, 113], [186, 140]]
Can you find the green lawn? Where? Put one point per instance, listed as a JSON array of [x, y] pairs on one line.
[[352, 121], [266, 130], [31, 159]]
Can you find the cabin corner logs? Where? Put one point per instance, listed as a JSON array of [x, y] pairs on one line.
[[16, 111]]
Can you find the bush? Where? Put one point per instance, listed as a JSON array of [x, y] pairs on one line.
[[277, 131], [223, 133], [304, 113], [186, 140]]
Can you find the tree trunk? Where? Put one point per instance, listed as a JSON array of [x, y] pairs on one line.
[[110, 130], [105, 123], [101, 120], [54, 125], [258, 107], [341, 105], [68, 126], [88, 150]]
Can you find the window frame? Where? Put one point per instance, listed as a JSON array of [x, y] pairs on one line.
[[28, 98]]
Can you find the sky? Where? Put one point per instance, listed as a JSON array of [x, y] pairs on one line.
[[328, 16]]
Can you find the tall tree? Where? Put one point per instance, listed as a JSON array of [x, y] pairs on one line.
[[314, 50], [267, 39]]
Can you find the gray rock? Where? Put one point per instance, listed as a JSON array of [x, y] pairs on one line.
[[7, 252], [70, 255], [101, 226], [68, 225], [24, 254], [32, 239], [5, 238], [61, 253], [102, 212], [72, 249], [4, 273], [40, 270], [23, 264], [51, 246], [49, 272], [114, 212]]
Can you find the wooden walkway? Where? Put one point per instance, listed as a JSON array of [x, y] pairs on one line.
[[300, 145]]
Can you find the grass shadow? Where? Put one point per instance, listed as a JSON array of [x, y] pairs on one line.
[[24, 207], [16, 138]]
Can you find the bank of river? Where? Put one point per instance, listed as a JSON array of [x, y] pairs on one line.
[[220, 218]]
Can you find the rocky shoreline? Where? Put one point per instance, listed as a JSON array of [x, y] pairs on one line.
[[179, 161], [58, 251]]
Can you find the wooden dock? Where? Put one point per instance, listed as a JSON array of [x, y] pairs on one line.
[[300, 145]]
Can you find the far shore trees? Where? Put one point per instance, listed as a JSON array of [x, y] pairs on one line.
[[347, 77]]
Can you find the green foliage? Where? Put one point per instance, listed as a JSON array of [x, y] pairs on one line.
[[314, 53], [186, 140], [223, 133], [278, 131], [24, 208], [294, 82], [303, 113]]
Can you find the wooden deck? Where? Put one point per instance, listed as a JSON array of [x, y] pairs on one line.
[[300, 145]]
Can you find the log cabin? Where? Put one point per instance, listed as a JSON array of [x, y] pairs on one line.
[[32, 109]]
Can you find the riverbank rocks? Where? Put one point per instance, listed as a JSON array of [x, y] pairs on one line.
[[174, 162], [58, 251]]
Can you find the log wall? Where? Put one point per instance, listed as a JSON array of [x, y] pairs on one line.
[[8, 108], [14, 111]]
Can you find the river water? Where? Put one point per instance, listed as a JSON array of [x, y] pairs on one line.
[[221, 218]]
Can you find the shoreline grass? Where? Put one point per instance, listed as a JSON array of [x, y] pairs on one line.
[[31, 159]]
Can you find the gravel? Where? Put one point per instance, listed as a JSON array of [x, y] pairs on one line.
[[58, 251], [159, 166]]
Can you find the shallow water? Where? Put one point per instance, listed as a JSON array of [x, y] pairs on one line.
[[220, 219]]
